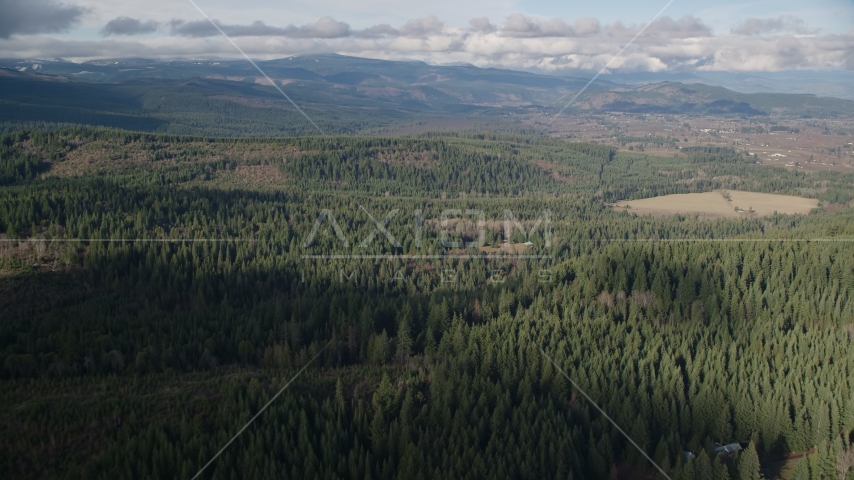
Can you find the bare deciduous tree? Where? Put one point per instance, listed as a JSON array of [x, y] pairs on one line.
[[844, 462]]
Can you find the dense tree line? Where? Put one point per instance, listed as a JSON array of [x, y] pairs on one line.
[[140, 356]]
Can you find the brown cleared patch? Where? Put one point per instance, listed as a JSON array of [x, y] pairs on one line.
[[226, 77], [110, 157], [506, 248], [551, 169], [253, 176], [834, 207], [97, 157]]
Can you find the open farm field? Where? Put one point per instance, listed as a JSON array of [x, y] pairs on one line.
[[720, 204]]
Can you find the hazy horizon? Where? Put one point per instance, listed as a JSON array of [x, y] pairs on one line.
[[544, 36]]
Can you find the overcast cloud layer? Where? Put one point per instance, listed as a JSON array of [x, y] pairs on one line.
[[128, 26], [515, 41], [36, 16]]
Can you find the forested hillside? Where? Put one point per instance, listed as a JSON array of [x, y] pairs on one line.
[[157, 290], [193, 107]]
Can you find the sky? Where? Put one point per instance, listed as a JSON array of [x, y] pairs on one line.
[[543, 35]]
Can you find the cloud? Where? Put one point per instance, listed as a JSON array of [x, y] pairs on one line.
[[482, 25], [521, 42], [128, 26], [521, 25], [685, 27], [28, 17], [761, 26], [422, 27], [586, 26], [326, 27], [376, 31], [203, 28]]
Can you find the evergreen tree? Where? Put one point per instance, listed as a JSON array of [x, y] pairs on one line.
[[404, 339], [748, 464]]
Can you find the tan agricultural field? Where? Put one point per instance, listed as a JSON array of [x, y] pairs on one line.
[[720, 204]]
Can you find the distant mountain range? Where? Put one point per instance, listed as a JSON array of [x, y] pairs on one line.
[[696, 98], [835, 83], [344, 95], [415, 81]]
